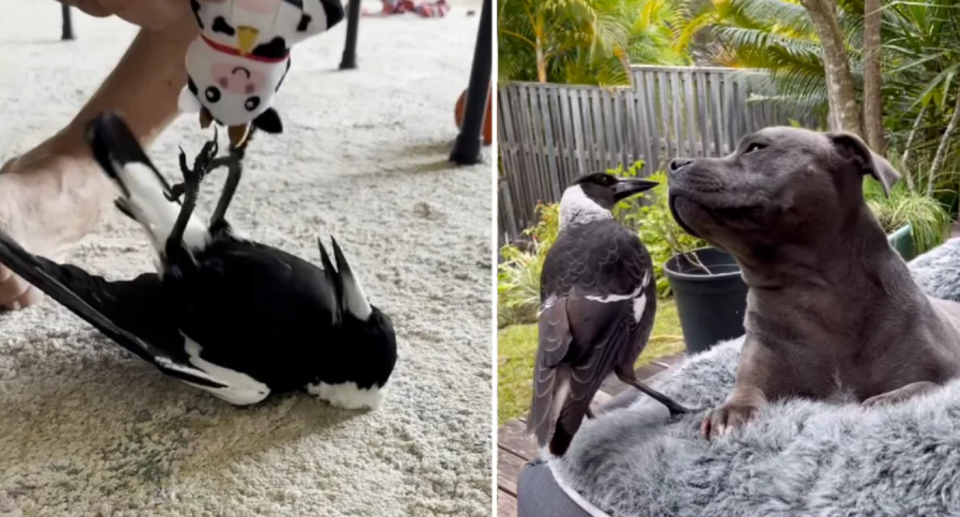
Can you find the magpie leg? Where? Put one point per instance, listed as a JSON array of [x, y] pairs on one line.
[[673, 406], [234, 164], [589, 414], [201, 165], [190, 188]]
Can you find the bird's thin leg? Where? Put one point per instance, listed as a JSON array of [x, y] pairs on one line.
[[672, 405], [190, 188], [589, 413], [234, 164], [201, 165]]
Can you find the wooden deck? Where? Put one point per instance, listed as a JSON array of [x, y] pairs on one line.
[[515, 447]]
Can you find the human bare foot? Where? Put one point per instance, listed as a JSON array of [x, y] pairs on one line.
[[50, 198]]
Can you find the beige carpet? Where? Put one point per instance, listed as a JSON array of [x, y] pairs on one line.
[[85, 429]]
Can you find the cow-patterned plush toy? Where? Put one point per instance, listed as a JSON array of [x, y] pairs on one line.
[[237, 64]]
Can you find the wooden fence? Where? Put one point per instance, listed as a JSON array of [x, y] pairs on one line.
[[549, 134]]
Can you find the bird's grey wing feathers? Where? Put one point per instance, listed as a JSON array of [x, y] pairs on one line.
[[554, 342], [89, 297], [600, 334]]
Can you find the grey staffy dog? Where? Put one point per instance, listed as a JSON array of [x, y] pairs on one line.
[[832, 312]]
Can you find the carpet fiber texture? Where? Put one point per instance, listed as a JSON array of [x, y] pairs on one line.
[[800, 458], [86, 429]]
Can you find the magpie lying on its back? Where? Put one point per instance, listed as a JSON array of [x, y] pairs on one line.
[[597, 305], [239, 319]]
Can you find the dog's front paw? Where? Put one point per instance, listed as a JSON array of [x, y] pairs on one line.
[[726, 418]]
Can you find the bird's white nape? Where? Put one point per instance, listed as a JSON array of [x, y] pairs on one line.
[[577, 208]]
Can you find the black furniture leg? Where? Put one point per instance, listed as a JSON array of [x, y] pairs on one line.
[[67, 31], [466, 150], [349, 59]]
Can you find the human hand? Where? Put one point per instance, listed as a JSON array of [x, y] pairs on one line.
[[173, 17], [50, 197]]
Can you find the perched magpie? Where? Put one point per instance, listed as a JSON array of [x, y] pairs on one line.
[[597, 305], [237, 318]]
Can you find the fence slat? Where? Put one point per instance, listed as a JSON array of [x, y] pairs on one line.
[[589, 137], [578, 131], [553, 157], [615, 156], [554, 97], [623, 147], [652, 124], [569, 142], [596, 110], [703, 114], [717, 122], [549, 134], [691, 116]]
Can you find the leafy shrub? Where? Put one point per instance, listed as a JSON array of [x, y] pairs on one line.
[[661, 234], [518, 276], [929, 220]]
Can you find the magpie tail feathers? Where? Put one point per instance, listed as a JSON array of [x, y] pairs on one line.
[[146, 195], [89, 297]]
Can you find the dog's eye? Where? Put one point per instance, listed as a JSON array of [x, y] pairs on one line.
[[754, 147]]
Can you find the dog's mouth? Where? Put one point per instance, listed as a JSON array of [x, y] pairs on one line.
[[720, 213], [672, 201]]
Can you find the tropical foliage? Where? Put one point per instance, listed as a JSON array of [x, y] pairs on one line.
[[584, 41], [920, 60]]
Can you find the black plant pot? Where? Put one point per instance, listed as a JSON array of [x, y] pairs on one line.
[[711, 305]]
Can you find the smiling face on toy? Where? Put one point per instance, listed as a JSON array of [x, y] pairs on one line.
[[231, 89]]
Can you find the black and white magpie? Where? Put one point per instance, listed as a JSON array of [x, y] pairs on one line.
[[598, 300], [237, 318]]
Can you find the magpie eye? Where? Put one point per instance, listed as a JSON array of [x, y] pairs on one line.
[[754, 147], [212, 94], [252, 103]]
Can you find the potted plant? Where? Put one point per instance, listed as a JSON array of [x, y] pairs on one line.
[[705, 282], [711, 296], [914, 222]]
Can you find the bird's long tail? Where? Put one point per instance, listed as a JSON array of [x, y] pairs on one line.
[[146, 195], [127, 312]]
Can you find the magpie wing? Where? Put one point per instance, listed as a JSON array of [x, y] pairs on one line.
[[601, 335], [548, 379], [130, 313]]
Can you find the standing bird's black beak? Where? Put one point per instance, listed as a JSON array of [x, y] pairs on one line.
[[627, 187]]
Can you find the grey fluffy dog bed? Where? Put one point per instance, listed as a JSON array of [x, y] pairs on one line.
[[799, 458]]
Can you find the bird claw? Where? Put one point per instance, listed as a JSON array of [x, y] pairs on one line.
[[206, 156], [176, 192]]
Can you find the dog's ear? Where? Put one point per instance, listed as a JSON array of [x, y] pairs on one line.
[[852, 149]]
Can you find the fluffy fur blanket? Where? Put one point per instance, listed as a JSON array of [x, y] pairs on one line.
[[799, 458]]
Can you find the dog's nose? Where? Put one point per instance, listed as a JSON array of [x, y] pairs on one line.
[[678, 163]]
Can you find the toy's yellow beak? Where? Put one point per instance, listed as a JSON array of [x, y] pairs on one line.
[[247, 38]]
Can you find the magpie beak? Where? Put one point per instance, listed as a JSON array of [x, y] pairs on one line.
[[627, 187], [237, 318]]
